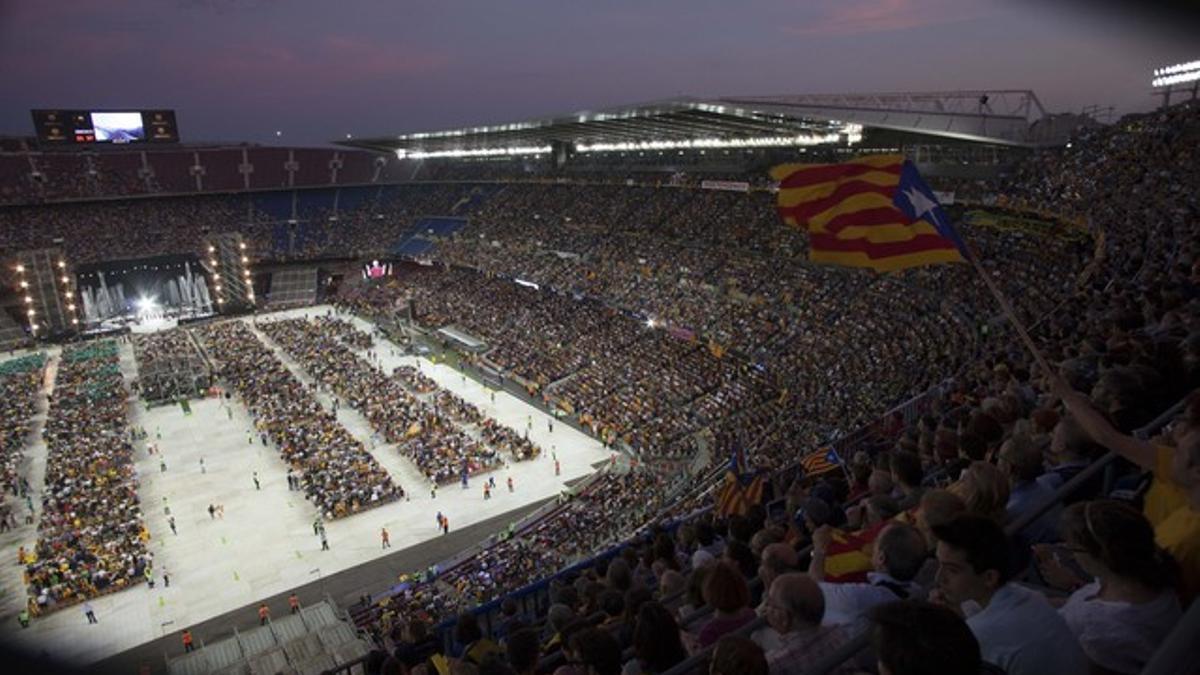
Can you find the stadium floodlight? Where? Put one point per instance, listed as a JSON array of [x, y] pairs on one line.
[[851, 132], [474, 152], [20, 269], [1176, 74]]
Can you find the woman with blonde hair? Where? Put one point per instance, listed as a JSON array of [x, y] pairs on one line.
[[984, 489]]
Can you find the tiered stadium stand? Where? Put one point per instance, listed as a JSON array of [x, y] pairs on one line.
[[306, 643], [222, 169]]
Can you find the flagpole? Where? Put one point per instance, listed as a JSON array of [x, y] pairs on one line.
[[1008, 310]]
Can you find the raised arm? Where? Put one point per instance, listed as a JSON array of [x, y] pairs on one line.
[[1094, 425]]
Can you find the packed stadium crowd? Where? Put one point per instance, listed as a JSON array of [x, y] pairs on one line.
[[911, 543], [169, 364], [614, 503], [20, 389], [425, 431], [91, 536], [666, 319], [336, 472]]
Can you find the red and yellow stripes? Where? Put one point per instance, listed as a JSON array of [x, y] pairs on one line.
[[851, 216], [736, 498]]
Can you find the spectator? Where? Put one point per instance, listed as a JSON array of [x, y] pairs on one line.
[[725, 590], [938, 507], [475, 646], [898, 555], [671, 589], [1071, 451], [795, 609], [735, 655], [416, 645], [1173, 503], [558, 617], [911, 637], [523, 650], [1017, 628], [656, 641], [984, 489], [598, 651], [1122, 616], [1020, 461], [908, 476]]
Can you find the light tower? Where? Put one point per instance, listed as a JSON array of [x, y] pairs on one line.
[[228, 261], [46, 286]]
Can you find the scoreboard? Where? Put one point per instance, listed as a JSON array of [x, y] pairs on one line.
[[85, 127]]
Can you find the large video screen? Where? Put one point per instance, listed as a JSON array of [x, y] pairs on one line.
[[70, 127], [118, 127]]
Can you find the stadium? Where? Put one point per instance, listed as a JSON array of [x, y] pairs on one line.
[[897, 382]]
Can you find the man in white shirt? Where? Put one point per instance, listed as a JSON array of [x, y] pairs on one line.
[[1017, 628], [899, 552]]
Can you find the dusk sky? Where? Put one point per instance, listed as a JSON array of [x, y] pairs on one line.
[[239, 70]]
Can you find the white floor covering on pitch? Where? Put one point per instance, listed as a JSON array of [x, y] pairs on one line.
[[265, 544]]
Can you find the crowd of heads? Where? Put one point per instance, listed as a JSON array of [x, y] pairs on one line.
[[750, 348], [336, 472], [169, 365], [431, 433], [20, 389], [926, 494], [91, 535], [614, 503]]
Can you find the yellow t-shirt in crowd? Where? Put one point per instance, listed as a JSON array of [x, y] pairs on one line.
[[1179, 535], [1164, 497]]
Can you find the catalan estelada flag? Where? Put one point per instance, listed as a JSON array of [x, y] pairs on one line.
[[820, 461], [873, 212], [742, 489], [736, 497]]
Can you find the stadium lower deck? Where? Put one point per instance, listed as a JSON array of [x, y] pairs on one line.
[[264, 544]]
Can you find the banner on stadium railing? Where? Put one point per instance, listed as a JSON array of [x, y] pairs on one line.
[[730, 185], [944, 198]]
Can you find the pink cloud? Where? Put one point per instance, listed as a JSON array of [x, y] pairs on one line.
[[877, 16], [324, 60]]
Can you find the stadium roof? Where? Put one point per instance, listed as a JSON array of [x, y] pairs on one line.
[[997, 116]]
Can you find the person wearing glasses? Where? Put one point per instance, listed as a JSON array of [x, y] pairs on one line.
[[1122, 616]]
